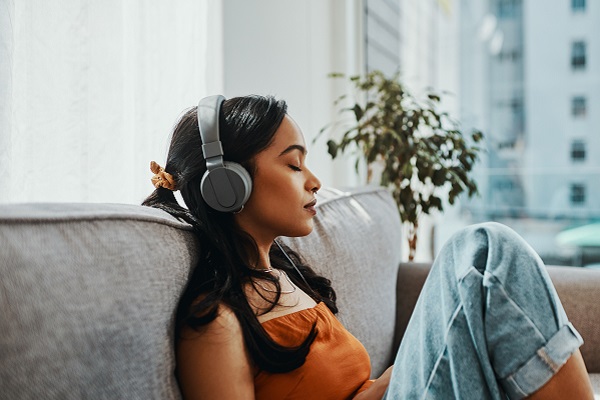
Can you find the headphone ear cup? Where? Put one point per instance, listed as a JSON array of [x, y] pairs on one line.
[[226, 188], [244, 188]]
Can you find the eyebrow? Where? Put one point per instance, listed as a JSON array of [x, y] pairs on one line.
[[293, 147]]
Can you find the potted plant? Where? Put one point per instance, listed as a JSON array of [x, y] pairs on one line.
[[422, 154]]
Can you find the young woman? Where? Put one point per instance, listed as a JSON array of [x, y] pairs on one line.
[[256, 322]]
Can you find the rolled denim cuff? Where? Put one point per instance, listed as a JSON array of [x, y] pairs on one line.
[[548, 359]]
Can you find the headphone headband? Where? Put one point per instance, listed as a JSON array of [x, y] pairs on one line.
[[208, 112]]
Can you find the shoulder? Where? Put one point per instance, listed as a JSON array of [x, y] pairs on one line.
[[226, 323], [212, 357]]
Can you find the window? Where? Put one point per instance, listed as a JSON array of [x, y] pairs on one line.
[[578, 106], [505, 185], [577, 193], [578, 5], [518, 114], [578, 55], [578, 150], [508, 8], [509, 55]]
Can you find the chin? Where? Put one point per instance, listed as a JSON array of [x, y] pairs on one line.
[[301, 231]]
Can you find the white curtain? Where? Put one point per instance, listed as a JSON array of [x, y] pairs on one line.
[[89, 92]]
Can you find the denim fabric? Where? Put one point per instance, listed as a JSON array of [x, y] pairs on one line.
[[488, 323]]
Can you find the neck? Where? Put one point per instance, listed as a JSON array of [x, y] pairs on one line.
[[264, 261], [262, 239]]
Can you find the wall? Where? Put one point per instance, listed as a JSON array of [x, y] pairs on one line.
[[286, 48]]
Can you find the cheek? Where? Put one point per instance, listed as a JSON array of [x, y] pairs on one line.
[[266, 194], [274, 187]]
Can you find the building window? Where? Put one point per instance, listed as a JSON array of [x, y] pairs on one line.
[[578, 55], [578, 150], [510, 55], [508, 8], [578, 106], [504, 185], [577, 193], [578, 5]]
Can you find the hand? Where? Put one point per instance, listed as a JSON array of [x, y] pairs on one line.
[[378, 388]]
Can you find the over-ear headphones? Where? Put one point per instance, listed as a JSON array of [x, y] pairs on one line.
[[226, 185]]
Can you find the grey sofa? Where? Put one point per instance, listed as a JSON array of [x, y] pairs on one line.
[[88, 292]]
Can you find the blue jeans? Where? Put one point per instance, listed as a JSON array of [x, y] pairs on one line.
[[488, 323]]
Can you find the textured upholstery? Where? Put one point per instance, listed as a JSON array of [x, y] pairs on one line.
[[362, 270], [88, 292], [579, 291]]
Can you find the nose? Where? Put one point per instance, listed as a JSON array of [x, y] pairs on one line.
[[313, 184]]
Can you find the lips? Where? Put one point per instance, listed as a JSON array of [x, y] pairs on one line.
[[310, 207], [311, 204]]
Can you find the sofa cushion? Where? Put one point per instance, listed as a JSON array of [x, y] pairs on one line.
[[356, 244], [87, 295], [88, 292]]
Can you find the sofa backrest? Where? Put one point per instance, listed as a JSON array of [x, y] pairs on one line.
[[88, 292], [87, 295], [356, 244]]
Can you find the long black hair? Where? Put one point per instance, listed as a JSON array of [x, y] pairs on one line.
[[247, 126]]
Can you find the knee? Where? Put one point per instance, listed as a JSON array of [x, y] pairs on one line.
[[494, 233], [500, 238], [489, 244], [488, 235]]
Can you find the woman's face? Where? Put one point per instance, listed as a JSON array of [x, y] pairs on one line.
[[283, 192]]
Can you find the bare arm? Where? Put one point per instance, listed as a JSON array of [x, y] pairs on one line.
[[214, 363], [378, 388]]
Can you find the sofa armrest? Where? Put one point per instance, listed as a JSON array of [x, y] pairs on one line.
[[578, 289], [411, 277], [579, 292]]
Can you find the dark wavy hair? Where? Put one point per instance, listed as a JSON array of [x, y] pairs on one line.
[[247, 126]]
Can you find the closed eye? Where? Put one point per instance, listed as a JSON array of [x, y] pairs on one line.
[[294, 168]]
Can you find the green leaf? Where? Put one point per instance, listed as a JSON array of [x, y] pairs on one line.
[[439, 177], [433, 97], [436, 202], [358, 112], [339, 99], [332, 148], [407, 170]]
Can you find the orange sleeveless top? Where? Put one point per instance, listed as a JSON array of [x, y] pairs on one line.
[[337, 365]]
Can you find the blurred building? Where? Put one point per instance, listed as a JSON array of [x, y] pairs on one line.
[[530, 79]]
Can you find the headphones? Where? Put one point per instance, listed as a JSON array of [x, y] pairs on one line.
[[226, 185]]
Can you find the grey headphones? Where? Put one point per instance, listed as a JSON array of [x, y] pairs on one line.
[[226, 185]]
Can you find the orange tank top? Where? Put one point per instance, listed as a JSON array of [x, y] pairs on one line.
[[337, 365]]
